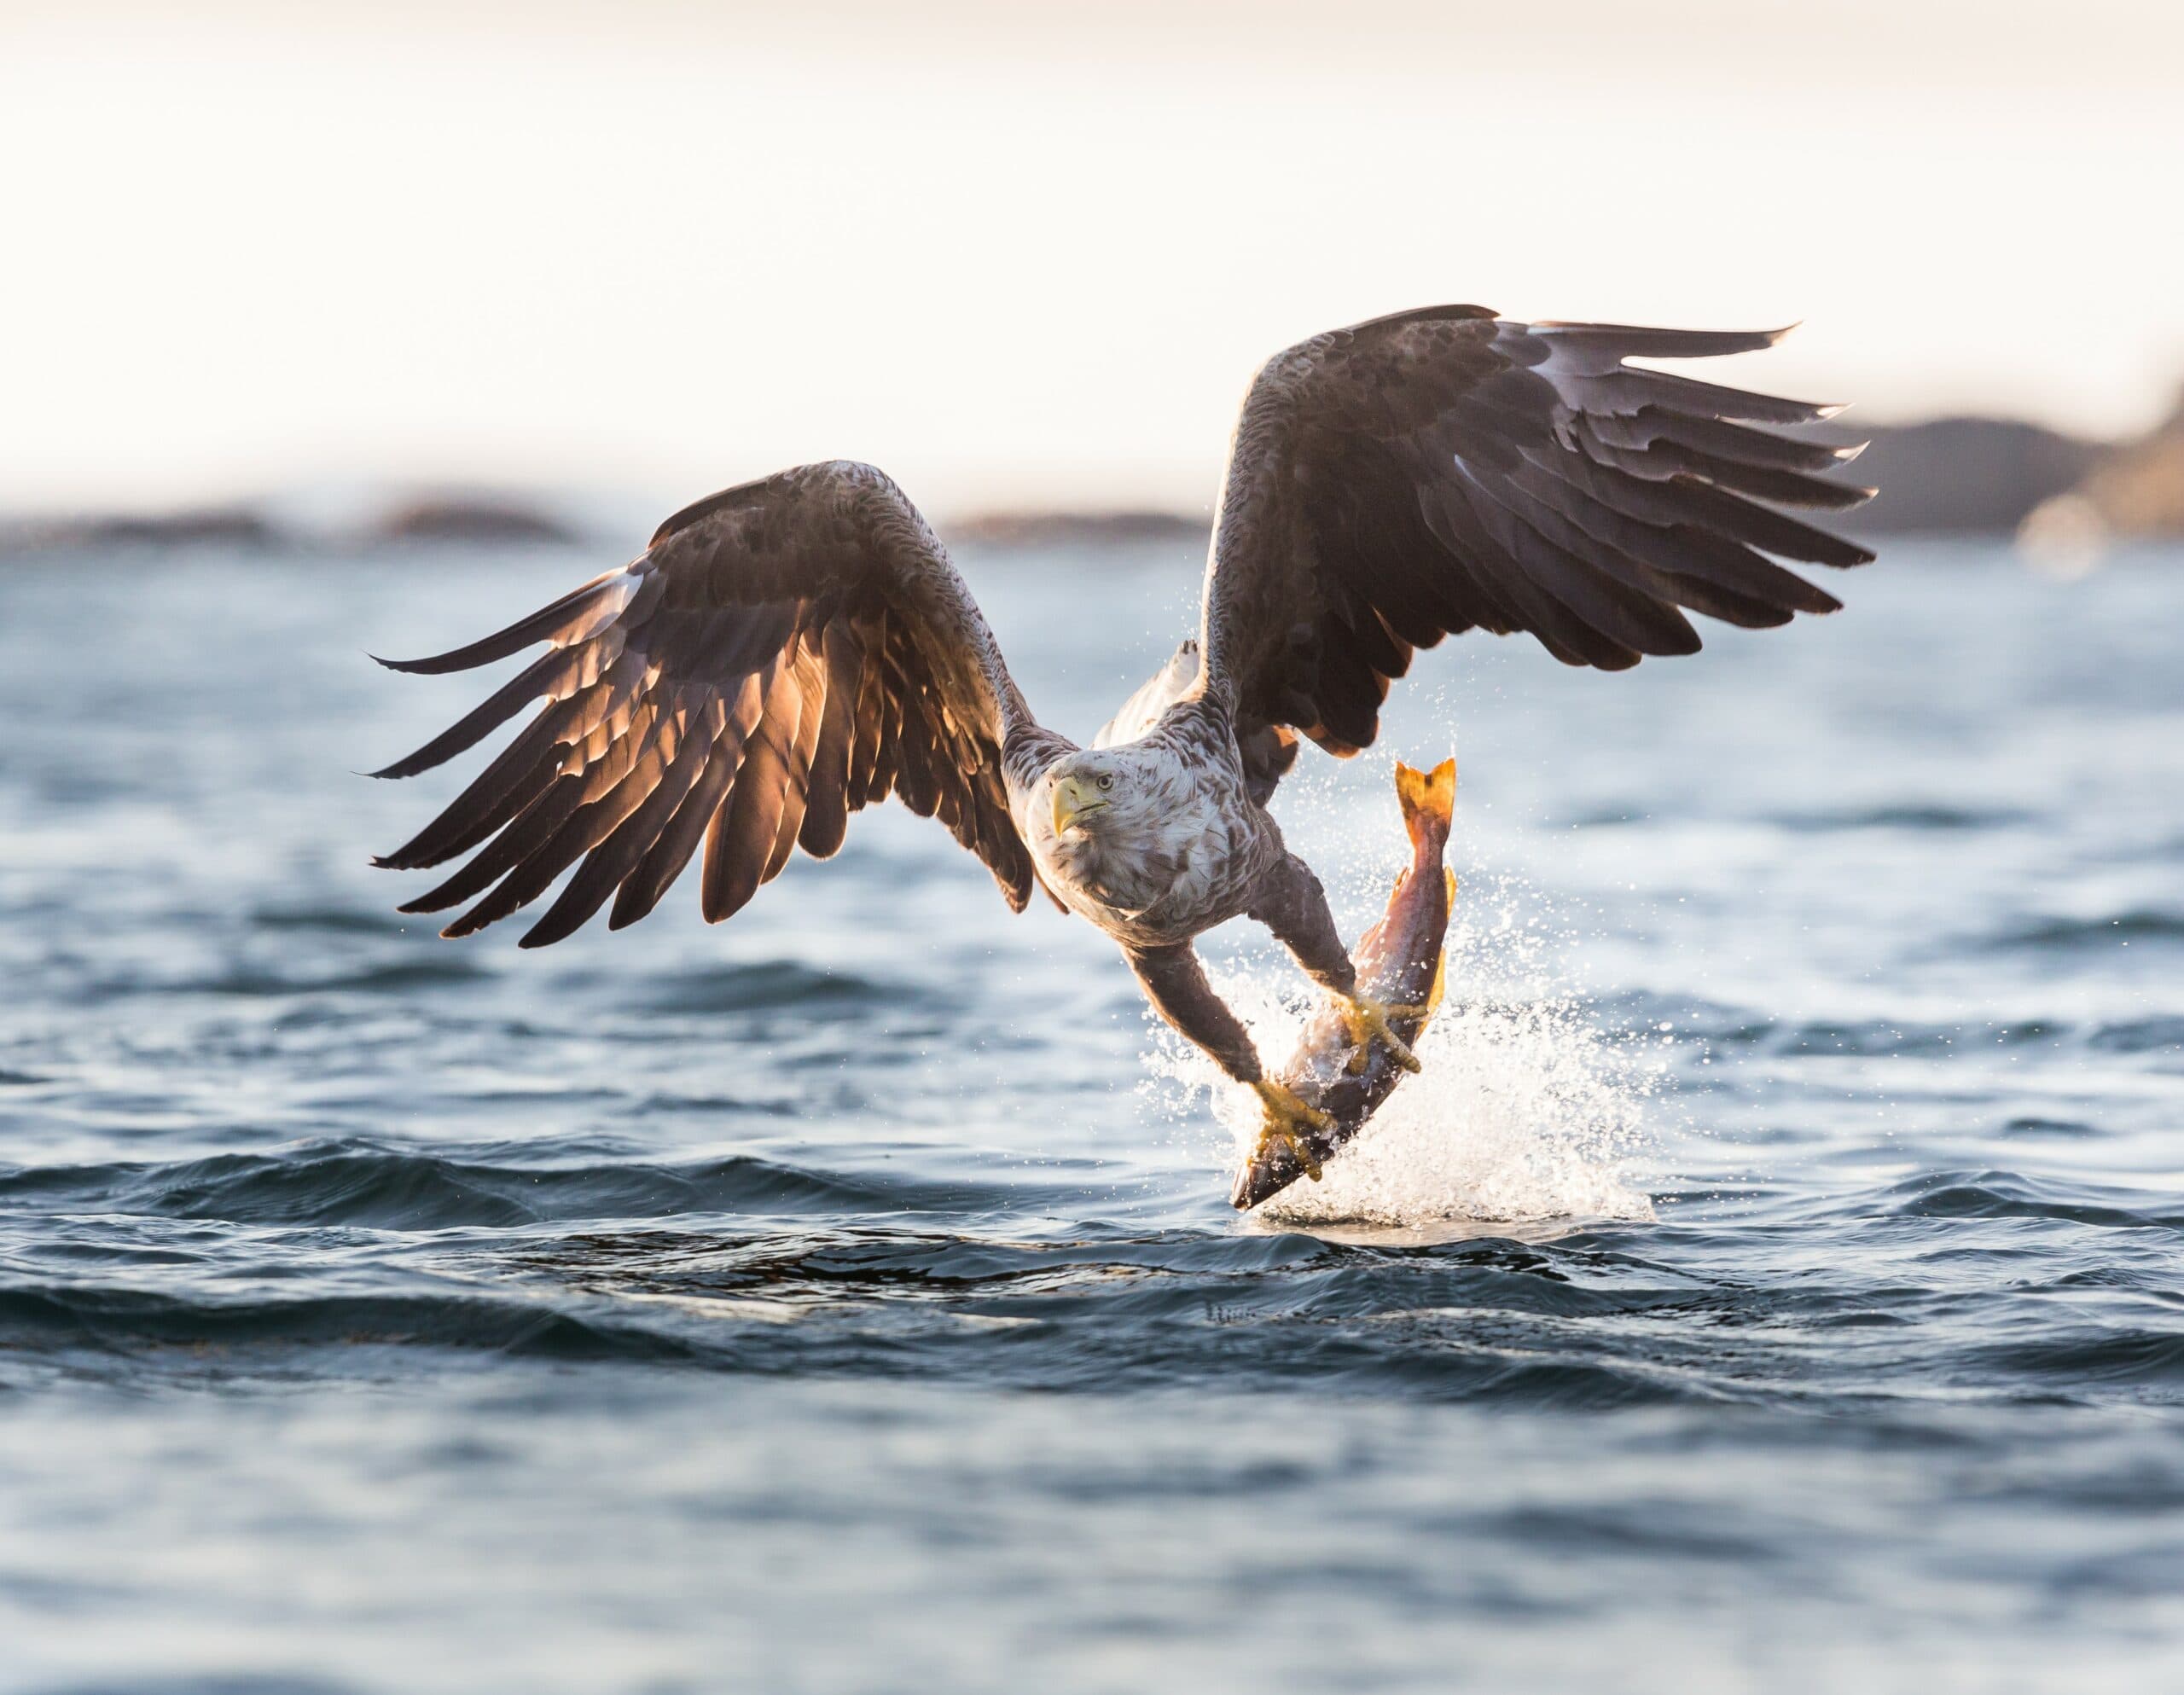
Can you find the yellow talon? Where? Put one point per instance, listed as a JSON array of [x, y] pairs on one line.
[[1287, 1118], [1366, 1018]]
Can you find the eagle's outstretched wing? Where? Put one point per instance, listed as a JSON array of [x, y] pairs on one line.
[[780, 656], [1445, 470]]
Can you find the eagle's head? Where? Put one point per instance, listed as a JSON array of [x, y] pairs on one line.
[[1118, 825], [1096, 793], [1111, 803]]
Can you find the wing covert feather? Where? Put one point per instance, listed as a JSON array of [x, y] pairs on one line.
[[1444, 470], [781, 656]]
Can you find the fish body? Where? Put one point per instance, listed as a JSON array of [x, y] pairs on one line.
[[1399, 962]]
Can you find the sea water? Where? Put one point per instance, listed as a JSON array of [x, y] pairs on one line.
[[1775, 1279]]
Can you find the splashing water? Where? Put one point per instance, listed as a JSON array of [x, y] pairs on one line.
[[1526, 1110]]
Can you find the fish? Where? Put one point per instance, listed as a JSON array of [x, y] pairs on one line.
[[1401, 961]]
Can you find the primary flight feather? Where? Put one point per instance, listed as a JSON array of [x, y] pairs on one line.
[[791, 651]]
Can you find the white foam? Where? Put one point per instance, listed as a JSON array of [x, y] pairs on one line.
[[1527, 1111]]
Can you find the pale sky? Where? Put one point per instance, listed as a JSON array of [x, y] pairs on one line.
[[1016, 253]]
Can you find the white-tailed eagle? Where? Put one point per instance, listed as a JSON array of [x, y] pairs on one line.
[[791, 651]]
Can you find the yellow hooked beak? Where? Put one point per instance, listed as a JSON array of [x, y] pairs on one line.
[[1074, 798]]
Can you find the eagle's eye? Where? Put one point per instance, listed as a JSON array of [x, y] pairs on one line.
[[1107, 781]]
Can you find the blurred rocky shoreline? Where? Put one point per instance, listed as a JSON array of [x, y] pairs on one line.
[[2056, 493], [276, 524], [2065, 497]]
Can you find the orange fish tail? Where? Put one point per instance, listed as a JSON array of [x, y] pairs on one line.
[[1429, 805]]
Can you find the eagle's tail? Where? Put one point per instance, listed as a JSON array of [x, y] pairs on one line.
[[1429, 806]]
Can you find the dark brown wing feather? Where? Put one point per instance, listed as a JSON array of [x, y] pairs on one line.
[[783, 655], [1445, 470]]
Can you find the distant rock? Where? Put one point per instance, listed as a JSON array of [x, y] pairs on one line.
[[438, 519], [470, 520], [2065, 497], [222, 526], [2137, 489], [1961, 476], [1056, 528]]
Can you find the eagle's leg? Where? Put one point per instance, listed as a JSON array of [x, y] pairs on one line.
[[1290, 903], [1175, 982]]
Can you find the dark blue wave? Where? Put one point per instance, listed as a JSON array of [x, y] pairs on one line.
[[2140, 1036], [1913, 815], [2006, 1195], [364, 1184], [1615, 1319], [387, 977], [770, 985], [2066, 935], [102, 1318]]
